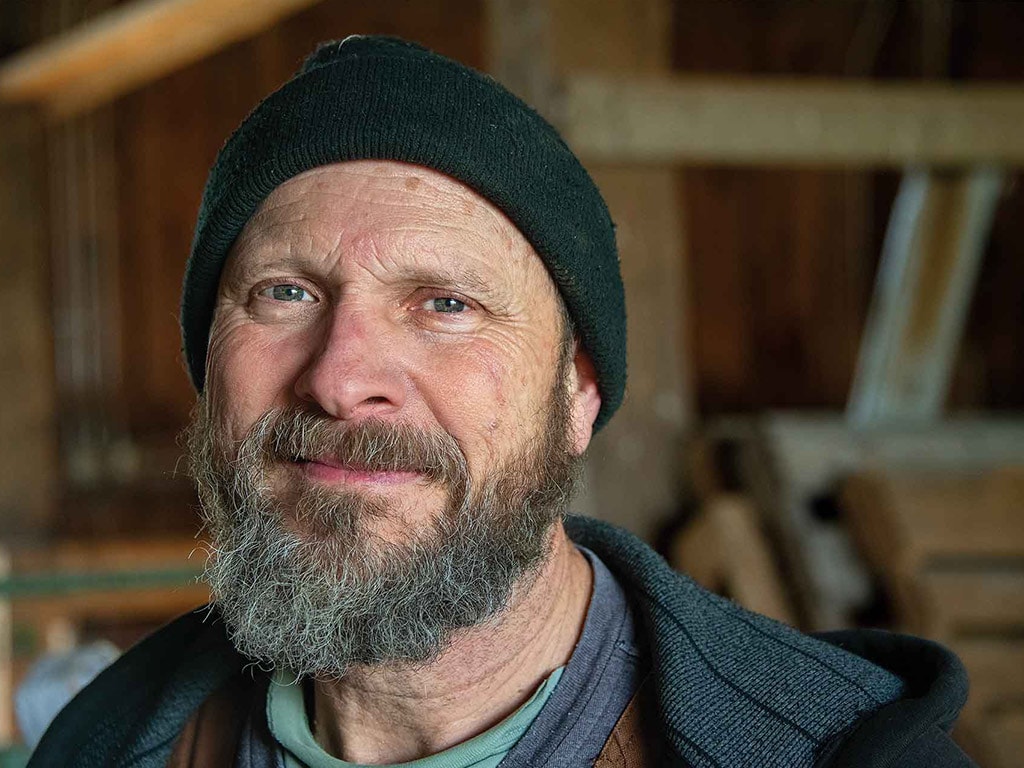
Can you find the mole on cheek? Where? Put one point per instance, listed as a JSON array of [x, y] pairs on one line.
[[412, 183]]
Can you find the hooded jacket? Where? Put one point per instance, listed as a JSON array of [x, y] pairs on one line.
[[731, 688]]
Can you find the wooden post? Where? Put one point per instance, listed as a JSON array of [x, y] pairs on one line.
[[633, 476], [933, 249], [28, 450]]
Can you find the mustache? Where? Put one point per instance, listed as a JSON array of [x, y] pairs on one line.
[[373, 445]]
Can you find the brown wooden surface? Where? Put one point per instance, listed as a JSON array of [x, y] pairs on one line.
[[128, 46], [151, 604], [777, 122], [1004, 738], [518, 36], [906, 521], [28, 407], [948, 547], [633, 464], [996, 670], [795, 464], [782, 260], [110, 554], [970, 600], [138, 602], [779, 279]]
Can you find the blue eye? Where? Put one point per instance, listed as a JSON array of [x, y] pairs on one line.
[[446, 305], [287, 292]]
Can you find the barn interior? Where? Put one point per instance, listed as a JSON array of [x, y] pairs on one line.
[[820, 219]]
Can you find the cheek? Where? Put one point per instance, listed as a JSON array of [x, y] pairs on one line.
[[485, 396], [247, 374]]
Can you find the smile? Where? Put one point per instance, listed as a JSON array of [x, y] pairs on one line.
[[325, 470]]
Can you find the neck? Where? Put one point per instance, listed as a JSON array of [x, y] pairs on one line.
[[393, 714]]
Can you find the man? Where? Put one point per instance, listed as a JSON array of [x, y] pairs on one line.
[[404, 316]]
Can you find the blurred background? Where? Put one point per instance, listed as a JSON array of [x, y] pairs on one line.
[[820, 215]]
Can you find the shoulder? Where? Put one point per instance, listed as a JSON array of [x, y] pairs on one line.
[[880, 741], [913, 731], [135, 708], [799, 697]]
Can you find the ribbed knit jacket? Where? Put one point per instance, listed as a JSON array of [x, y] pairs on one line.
[[733, 688]]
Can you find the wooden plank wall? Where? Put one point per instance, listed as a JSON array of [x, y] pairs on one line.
[[782, 261], [28, 449]]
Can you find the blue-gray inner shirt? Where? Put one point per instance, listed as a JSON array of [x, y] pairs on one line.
[[601, 677]]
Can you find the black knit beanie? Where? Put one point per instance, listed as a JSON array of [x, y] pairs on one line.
[[379, 98]]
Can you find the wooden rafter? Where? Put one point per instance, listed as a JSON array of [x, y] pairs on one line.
[[129, 46], [930, 261], [774, 121]]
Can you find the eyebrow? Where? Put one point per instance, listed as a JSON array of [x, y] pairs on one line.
[[458, 276]]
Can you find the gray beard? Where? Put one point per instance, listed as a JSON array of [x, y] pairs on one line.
[[321, 600]]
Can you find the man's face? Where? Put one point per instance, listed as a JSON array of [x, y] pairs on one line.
[[387, 386], [373, 290]]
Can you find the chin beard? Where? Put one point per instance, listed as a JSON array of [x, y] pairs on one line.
[[331, 594]]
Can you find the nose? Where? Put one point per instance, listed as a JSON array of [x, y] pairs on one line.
[[354, 371]]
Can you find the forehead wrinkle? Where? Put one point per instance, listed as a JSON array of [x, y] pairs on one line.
[[440, 241], [485, 212], [260, 252], [434, 265], [327, 230], [272, 244]]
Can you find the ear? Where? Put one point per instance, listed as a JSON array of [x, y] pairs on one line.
[[586, 400]]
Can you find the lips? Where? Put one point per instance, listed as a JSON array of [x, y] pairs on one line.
[[330, 470]]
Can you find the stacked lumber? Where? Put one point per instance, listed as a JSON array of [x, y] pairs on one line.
[[794, 466], [726, 545], [725, 549], [948, 547]]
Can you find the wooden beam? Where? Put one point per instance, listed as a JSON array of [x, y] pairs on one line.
[[995, 666], [775, 121], [129, 46], [969, 599], [633, 467], [930, 260]]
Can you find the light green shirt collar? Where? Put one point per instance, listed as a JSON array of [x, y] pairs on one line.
[[286, 714]]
